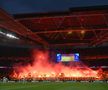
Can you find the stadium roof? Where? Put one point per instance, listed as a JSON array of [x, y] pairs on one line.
[[83, 26], [77, 26]]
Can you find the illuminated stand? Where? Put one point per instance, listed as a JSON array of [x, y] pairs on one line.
[[73, 70]]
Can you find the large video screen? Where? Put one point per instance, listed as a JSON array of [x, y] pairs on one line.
[[67, 57]]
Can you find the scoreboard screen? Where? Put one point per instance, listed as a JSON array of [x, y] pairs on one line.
[[67, 57]]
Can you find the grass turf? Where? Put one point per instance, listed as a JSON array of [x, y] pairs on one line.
[[54, 86]]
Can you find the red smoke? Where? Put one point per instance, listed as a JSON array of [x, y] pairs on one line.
[[42, 67]]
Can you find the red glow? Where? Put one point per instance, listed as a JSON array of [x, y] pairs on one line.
[[43, 68]]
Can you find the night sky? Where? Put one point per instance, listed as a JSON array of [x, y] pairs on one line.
[[34, 6]]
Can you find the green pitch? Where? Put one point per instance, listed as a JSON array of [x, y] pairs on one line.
[[54, 86]]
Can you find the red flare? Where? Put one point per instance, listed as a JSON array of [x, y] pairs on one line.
[[42, 68]]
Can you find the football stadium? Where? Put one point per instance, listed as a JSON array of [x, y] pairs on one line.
[[53, 45]]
